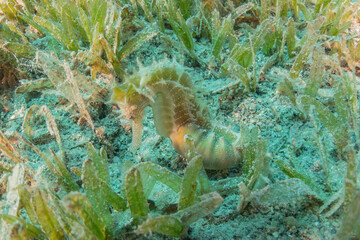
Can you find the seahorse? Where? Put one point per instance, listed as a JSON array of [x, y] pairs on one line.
[[167, 88]]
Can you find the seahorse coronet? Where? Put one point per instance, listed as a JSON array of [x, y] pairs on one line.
[[167, 88]]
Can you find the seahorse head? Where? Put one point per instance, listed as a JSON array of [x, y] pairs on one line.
[[128, 99]]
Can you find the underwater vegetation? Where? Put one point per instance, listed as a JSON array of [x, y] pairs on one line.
[[253, 130], [8, 74]]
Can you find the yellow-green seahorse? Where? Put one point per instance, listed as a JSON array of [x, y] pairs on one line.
[[167, 89]]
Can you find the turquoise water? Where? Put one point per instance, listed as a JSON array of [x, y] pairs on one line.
[[179, 119]]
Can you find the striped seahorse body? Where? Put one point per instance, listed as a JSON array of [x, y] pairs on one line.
[[168, 90]]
